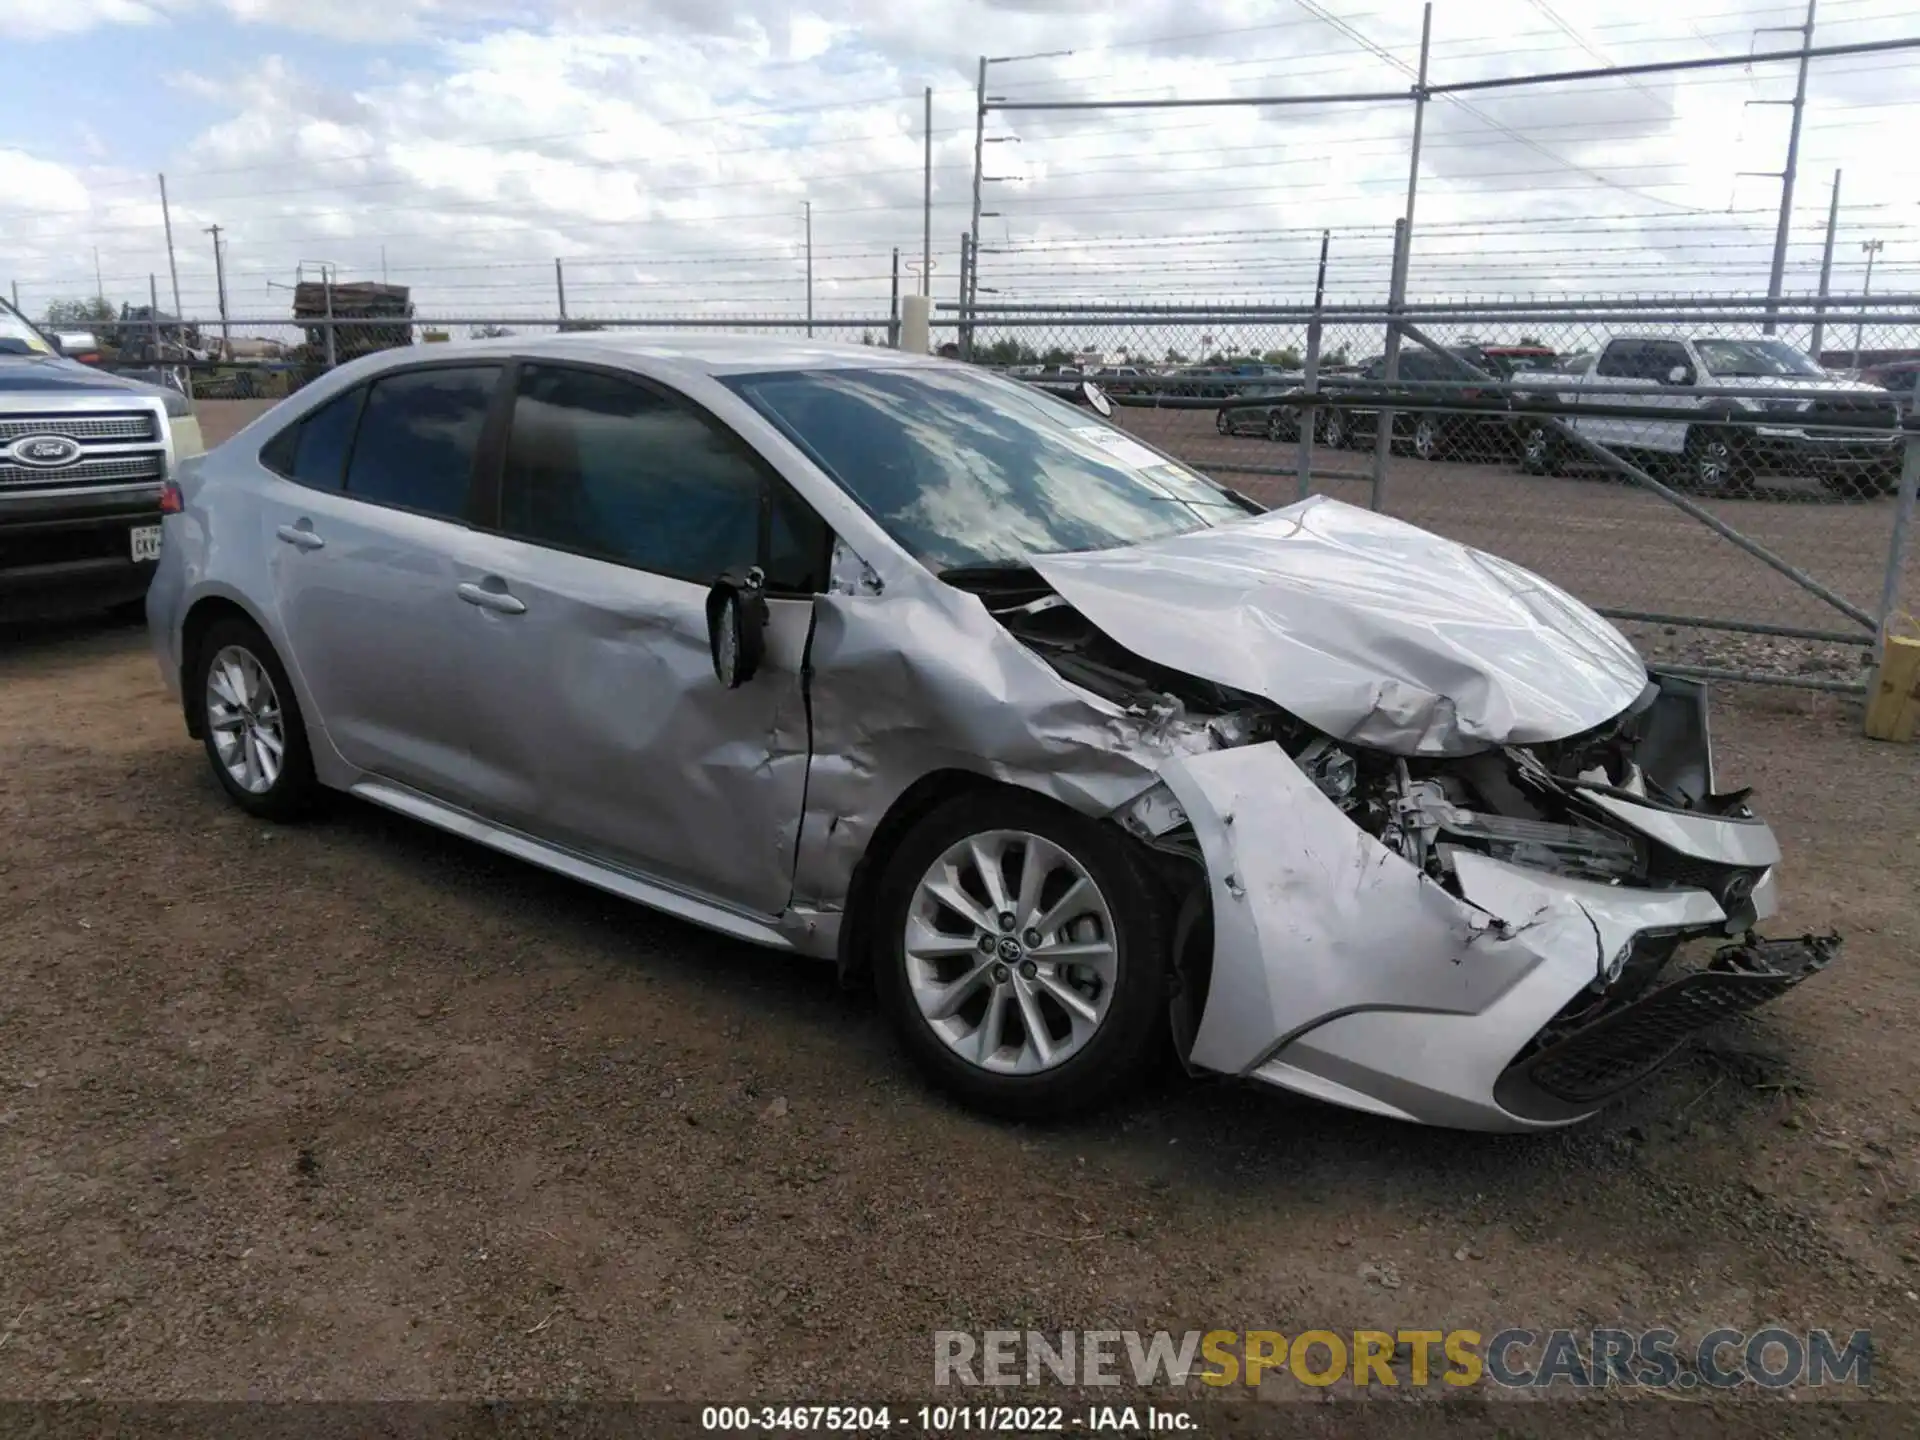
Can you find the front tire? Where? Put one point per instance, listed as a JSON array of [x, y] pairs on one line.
[[1222, 422], [1022, 956], [250, 722], [1335, 430], [1709, 463]]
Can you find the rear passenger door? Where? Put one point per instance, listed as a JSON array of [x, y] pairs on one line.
[[362, 539], [598, 722]]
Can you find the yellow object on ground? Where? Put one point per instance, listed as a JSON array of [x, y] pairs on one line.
[[1893, 703]]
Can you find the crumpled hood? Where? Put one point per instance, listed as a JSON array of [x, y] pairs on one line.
[[1367, 628]]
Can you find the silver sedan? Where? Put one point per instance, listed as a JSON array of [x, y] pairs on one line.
[[894, 663]]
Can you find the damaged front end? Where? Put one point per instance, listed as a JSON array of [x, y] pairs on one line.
[[1488, 940]]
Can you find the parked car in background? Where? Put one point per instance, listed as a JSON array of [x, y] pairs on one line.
[[1842, 432], [1419, 422], [893, 662], [84, 455], [1901, 377]]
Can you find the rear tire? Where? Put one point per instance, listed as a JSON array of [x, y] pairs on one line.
[[1222, 423], [250, 722], [1426, 436], [1072, 1020], [1334, 430], [1539, 450]]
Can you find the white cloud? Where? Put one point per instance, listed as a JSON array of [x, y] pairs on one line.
[[667, 161], [45, 19]]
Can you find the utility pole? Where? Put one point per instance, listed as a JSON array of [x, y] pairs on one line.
[[926, 205], [1873, 248], [99, 288], [173, 267], [809, 209], [973, 230], [383, 264], [220, 288], [1826, 271], [560, 285], [1778, 273]]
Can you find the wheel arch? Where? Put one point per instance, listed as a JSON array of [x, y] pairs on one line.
[[912, 805], [205, 612]]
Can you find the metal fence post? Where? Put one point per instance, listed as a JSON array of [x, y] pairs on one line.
[[893, 305], [1396, 299], [1310, 412], [1902, 524], [326, 285]]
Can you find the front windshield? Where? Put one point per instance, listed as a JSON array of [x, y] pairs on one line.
[[1753, 359], [15, 327], [964, 469]]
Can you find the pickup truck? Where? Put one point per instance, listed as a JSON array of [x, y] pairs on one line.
[[1717, 442], [83, 458]]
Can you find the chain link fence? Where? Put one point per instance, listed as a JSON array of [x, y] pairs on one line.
[[1692, 470], [1687, 465]]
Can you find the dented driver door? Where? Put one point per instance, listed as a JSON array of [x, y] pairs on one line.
[[599, 723]]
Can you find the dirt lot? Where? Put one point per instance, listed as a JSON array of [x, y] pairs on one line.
[[354, 1109]]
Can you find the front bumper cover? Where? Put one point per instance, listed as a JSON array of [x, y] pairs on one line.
[[1567, 1077], [1342, 972]]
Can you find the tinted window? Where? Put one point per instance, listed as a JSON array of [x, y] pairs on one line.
[[418, 433], [1623, 358], [313, 450], [966, 469], [610, 468]]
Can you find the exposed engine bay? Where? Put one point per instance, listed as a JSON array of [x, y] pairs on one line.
[[1540, 806]]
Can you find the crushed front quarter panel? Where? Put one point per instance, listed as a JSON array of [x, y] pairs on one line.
[[1369, 629], [924, 679]]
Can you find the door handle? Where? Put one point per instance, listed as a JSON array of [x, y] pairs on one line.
[[301, 537], [498, 601]]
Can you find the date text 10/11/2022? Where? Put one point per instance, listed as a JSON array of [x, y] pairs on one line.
[[947, 1419]]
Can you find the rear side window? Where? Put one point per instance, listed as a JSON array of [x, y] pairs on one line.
[[602, 466], [313, 450], [418, 433], [1623, 358]]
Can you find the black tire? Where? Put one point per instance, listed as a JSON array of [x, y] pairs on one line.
[[1711, 462], [1426, 439], [1277, 427], [291, 792], [1335, 430], [1222, 422], [1134, 1028], [1540, 449]]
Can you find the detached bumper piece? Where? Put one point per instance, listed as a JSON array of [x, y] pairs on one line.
[[1577, 1072]]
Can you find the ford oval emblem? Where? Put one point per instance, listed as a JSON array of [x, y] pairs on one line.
[[44, 452]]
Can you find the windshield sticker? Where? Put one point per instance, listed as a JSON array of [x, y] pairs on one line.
[[1124, 448]]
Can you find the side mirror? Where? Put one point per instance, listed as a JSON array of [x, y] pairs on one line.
[[1680, 375], [737, 626]]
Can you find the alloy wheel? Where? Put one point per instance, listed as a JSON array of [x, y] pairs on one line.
[[1425, 438], [245, 720], [1010, 952], [1713, 464]]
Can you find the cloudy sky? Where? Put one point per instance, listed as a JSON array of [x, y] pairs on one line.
[[665, 149]]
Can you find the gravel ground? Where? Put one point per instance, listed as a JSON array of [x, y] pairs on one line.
[[355, 1109]]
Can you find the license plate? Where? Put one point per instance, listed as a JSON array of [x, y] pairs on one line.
[[146, 542]]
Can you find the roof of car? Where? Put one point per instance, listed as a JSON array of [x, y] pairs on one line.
[[705, 351]]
